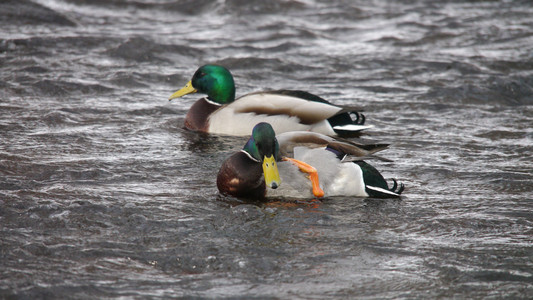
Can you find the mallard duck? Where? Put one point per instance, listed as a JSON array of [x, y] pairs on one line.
[[285, 110], [302, 165]]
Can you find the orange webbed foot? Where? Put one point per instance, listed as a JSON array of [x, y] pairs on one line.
[[313, 175]]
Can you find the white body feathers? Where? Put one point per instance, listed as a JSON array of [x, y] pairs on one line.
[[283, 112], [336, 178]]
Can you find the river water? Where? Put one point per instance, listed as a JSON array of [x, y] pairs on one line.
[[103, 194]]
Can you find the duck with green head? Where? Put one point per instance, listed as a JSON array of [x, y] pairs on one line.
[[285, 110], [302, 165]]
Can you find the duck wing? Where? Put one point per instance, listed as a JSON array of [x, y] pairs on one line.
[[289, 140], [298, 104], [344, 120]]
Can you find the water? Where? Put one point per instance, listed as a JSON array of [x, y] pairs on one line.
[[103, 194]]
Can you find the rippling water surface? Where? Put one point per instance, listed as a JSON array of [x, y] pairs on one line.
[[104, 194]]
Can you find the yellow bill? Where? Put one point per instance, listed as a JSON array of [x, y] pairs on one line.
[[271, 173], [187, 89]]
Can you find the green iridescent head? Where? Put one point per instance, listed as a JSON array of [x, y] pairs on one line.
[[263, 146], [263, 142], [213, 80]]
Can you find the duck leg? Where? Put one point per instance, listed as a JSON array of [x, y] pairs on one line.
[[313, 174]]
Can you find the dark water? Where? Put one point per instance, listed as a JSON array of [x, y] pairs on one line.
[[104, 195]]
